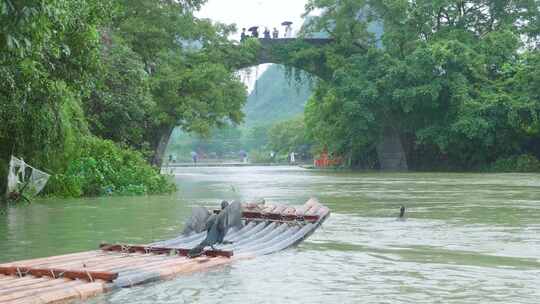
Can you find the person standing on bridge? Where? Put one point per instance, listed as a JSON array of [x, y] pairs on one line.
[[275, 33], [243, 35], [288, 31], [254, 31]]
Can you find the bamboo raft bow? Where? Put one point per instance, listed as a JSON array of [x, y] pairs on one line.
[[267, 229]]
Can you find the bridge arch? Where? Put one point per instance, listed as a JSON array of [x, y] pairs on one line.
[[390, 151], [277, 51], [282, 50]]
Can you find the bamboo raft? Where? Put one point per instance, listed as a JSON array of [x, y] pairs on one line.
[[79, 276]]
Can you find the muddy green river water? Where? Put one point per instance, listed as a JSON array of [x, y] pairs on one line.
[[467, 238]]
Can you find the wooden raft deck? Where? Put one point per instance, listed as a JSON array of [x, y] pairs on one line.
[[78, 276]]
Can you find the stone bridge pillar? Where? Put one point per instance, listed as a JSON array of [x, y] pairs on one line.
[[390, 151]]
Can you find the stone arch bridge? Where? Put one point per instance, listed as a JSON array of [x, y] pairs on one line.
[[278, 51], [390, 150]]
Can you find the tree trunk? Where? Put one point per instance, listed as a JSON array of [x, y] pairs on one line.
[[390, 151], [3, 178], [4, 169], [163, 136]]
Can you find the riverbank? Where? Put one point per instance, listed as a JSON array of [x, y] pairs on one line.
[[495, 169], [517, 164], [102, 168], [225, 164]]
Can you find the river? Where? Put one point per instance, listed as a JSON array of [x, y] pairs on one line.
[[468, 238]]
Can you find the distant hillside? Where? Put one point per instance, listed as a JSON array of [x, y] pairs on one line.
[[275, 98]]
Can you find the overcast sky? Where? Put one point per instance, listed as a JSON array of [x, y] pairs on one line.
[[247, 13]]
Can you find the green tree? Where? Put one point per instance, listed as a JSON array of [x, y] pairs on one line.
[[289, 136], [49, 52], [121, 70], [190, 79], [256, 137], [446, 79], [220, 141], [120, 107], [275, 97]]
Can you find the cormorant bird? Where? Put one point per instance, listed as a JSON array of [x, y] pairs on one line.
[[218, 225], [402, 213], [197, 222]]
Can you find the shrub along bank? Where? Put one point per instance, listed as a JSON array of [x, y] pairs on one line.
[[103, 168]]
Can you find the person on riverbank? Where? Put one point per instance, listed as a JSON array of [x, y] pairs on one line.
[[292, 158], [194, 156], [243, 156], [266, 33]]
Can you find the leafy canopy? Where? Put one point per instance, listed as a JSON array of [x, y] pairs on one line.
[[449, 76]]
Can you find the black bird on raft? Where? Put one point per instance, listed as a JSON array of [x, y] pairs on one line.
[[401, 213], [217, 226]]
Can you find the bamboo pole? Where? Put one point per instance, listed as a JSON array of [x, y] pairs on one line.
[[53, 259], [63, 294], [53, 285]]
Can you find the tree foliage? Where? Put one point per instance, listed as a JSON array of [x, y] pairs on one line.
[[120, 107], [49, 52], [179, 72], [128, 71], [451, 76], [102, 168], [289, 136]]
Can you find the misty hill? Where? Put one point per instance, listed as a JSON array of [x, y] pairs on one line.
[[275, 98]]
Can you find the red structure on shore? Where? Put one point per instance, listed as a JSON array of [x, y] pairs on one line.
[[325, 161]]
